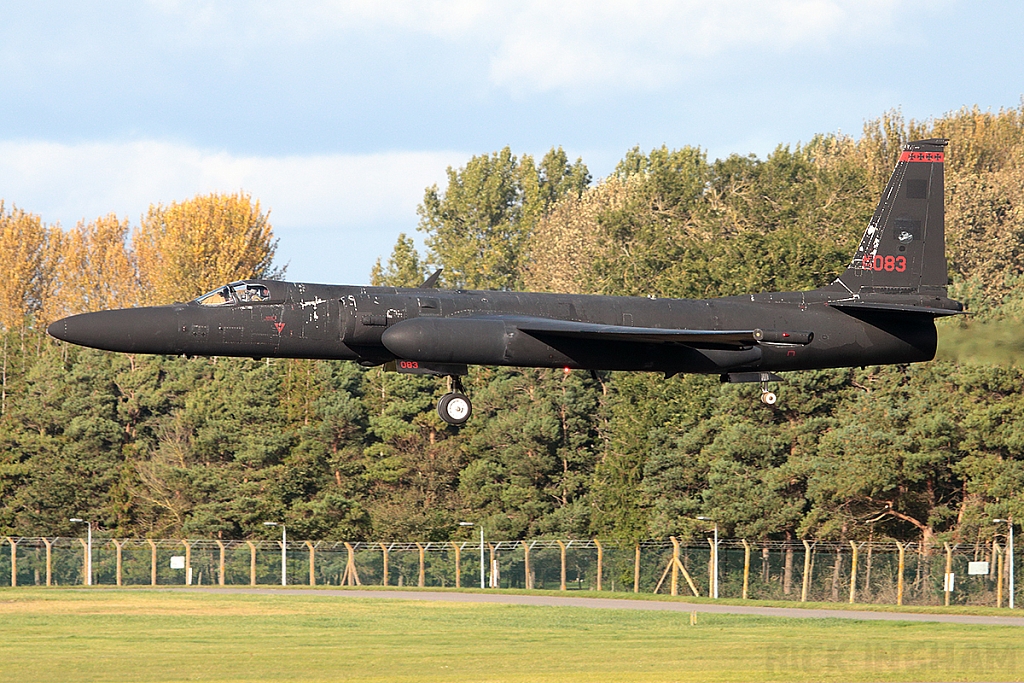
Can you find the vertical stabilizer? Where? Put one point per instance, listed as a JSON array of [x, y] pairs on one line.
[[903, 250]]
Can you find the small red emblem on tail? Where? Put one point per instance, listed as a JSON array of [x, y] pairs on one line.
[[924, 157], [280, 327]]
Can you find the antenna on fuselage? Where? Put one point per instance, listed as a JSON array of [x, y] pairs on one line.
[[431, 281]]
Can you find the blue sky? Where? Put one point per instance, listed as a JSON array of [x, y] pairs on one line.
[[337, 115]]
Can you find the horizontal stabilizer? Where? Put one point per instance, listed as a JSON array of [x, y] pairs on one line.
[[854, 306]]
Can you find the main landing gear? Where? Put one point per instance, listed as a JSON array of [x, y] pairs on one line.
[[455, 407]]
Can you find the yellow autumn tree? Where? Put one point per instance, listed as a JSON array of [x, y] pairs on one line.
[[984, 186], [569, 239], [187, 248], [985, 196], [24, 246], [94, 270], [24, 241]]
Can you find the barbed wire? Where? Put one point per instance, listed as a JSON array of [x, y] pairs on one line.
[[497, 546]]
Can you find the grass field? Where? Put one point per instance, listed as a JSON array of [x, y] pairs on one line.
[[110, 635]]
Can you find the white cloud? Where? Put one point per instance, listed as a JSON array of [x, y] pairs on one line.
[[270, 21], [573, 45], [68, 182], [584, 45]]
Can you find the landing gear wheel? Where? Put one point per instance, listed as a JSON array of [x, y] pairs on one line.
[[454, 408], [768, 398]]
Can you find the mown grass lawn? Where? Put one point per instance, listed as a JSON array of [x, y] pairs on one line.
[[110, 635]]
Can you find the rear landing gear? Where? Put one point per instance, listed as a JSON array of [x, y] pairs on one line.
[[767, 397], [455, 407]]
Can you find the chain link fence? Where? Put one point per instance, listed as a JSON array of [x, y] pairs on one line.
[[817, 571]]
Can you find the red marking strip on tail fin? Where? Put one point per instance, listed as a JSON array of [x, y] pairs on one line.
[[924, 157]]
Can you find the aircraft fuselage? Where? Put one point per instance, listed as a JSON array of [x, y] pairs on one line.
[[375, 325], [881, 310]]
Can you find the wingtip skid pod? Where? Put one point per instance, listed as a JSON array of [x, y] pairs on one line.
[[768, 397]]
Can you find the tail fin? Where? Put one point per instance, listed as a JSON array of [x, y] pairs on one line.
[[903, 250]]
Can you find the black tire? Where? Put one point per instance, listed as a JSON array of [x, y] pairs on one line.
[[454, 408]]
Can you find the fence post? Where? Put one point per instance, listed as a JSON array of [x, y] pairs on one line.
[[312, 563], [14, 561], [220, 564], [152, 562], [458, 563], [676, 567], [188, 562], [746, 567], [422, 580], [853, 574], [674, 583], [252, 562], [999, 574], [562, 584], [49, 560], [902, 548], [351, 575], [526, 565], [118, 545], [85, 562], [859, 586], [636, 569], [807, 571], [949, 569], [712, 563], [867, 571], [495, 574]]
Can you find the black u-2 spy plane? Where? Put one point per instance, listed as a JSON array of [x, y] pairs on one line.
[[881, 311]]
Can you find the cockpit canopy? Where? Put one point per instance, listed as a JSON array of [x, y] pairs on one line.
[[235, 293]]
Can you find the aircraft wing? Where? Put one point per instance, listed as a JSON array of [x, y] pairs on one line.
[[544, 327]]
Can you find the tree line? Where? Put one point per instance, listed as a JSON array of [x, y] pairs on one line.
[[163, 446]]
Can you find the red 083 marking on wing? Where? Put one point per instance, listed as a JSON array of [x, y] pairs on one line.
[[884, 263]]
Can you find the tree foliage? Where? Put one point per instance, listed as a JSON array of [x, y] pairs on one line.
[[214, 447], [479, 227], [189, 247], [25, 247], [94, 269]]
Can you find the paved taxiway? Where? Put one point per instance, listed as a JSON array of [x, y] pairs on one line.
[[618, 603]]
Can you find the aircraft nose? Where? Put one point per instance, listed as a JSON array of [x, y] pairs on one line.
[[131, 330], [76, 329]]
